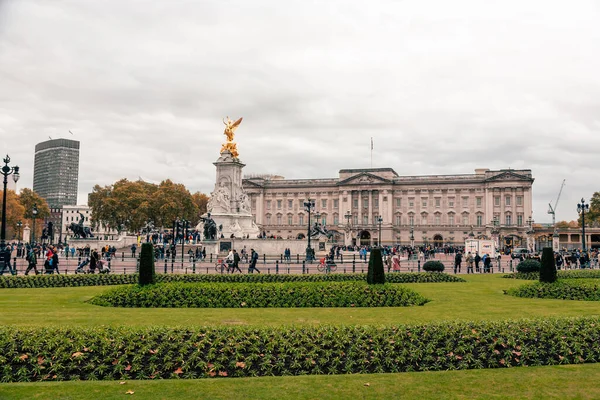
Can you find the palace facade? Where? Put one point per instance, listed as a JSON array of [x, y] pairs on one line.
[[361, 204]]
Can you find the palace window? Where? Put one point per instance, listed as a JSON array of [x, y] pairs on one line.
[[411, 219], [451, 219], [268, 220], [438, 220], [290, 204], [301, 219], [278, 219], [424, 202], [376, 203], [465, 202], [520, 219], [451, 202], [366, 219], [478, 202], [398, 219], [479, 220], [268, 204], [519, 200], [324, 203], [355, 219], [424, 219], [335, 219], [398, 202], [365, 203], [437, 202], [324, 220], [336, 203], [279, 202], [507, 200], [465, 219], [290, 219], [508, 219], [497, 201]]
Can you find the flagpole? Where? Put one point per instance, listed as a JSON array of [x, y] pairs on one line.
[[371, 152]]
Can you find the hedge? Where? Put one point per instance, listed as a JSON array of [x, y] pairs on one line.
[[120, 353], [249, 295], [40, 281], [433, 266], [561, 274], [564, 290], [529, 265]]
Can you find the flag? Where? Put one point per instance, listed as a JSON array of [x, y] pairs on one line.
[[371, 143]]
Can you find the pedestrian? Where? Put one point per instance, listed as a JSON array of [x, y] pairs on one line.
[[487, 263], [253, 261], [469, 260], [477, 261], [54, 263], [93, 261], [31, 259], [133, 250], [457, 262], [236, 262]]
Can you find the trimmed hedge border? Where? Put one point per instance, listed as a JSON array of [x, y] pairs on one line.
[[563, 290], [108, 353], [266, 295], [561, 274], [46, 281]]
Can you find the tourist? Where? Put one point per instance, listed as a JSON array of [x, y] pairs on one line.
[[253, 261], [31, 259], [469, 260], [133, 250], [457, 262], [236, 262], [477, 261]]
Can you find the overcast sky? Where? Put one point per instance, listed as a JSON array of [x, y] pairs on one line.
[[443, 87]]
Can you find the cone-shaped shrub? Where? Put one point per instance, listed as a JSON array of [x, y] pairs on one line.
[[548, 268], [375, 275], [147, 264]]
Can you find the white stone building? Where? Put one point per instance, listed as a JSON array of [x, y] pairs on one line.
[[70, 214], [434, 209]]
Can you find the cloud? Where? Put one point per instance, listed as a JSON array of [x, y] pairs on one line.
[[442, 87]]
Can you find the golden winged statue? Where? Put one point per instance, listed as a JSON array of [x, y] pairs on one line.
[[230, 127]]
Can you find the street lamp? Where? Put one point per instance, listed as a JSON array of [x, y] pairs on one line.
[[19, 225], [379, 221], [34, 213], [309, 205], [582, 208], [412, 236], [6, 171], [495, 230]]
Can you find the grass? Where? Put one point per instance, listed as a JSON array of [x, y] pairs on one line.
[[553, 382], [480, 298]]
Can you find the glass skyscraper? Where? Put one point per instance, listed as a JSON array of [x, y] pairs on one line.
[[56, 171]]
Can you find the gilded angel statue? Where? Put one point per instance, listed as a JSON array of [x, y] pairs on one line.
[[230, 127]]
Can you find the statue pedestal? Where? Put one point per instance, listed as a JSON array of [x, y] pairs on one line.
[[229, 205]]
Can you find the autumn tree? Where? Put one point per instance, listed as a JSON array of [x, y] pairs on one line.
[[14, 213], [28, 198], [201, 202], [594, 214], [130, 204]]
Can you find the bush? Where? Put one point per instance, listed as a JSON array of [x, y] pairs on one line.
[[121, 353], [562, 274], [564, 290], [248, 295], [548, 266], [433, 266], [375, 274], [147, 273], [45, 281], [529, 265]]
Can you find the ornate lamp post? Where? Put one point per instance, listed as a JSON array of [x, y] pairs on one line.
[[379, 221], [34, 213], [6, 171], [530, 233], [348, 229], [412, 236], [582, 208], [309, 205], [495, 230], [19, 225]]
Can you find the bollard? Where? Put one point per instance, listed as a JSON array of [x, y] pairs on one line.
[[125, 271], [288, 270], [281, 258], [269, 271], [109, 262], [511, 266], [354, 266], [186, 270], [172, 262], [122, 256], [363, 271], [66, 270], [165, 265], [264, 259], [303, 267], [193, 265], [307, 271], [419, 266], [297, 258], [344, 269], [15, 265], [207, 270], [210, 257], [277, 267]]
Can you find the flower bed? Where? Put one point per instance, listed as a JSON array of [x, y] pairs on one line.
[[565, 290], [105, 353], [562, 274], [250, 295], [39, 281]]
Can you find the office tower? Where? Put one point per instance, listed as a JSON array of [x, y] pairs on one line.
[[56, 171]]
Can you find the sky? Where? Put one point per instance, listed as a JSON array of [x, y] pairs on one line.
[[441, 87]]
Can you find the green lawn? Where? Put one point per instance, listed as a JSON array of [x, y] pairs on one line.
[[481, 298], [554, 382]]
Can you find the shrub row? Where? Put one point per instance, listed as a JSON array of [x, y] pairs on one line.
[[108, 353], [529, 265], [562, 274], [248, 295], [565, 290], [38, 281]]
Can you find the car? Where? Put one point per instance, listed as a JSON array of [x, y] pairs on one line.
[[519, 252]]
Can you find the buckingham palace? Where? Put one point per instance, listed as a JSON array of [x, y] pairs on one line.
[[361, 204]]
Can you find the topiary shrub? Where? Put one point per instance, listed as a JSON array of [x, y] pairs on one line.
[[529, 265], [147, 273], [433, 266], [548, 267], [375, 275]]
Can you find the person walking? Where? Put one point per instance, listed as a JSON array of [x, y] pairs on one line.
[[236, 262], [477, 261], [469, 260], [457, 262], [54, 263], [253, 261], [31, 261]]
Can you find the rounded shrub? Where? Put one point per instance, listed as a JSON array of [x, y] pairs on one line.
[[433, 266], [529, 265]]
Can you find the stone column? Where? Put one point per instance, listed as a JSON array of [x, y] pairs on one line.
[[26, 234], [360, 206], [555, 241], [370, 209]]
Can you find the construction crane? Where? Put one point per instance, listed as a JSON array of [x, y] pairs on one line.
[[552, 210]]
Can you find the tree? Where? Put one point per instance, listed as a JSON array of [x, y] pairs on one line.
[[28, 198], [201, 201], [14, 213], [375, 275], [594, 214], [548, 267]]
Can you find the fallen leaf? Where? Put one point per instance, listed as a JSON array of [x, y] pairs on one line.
[[24, 357], [178, 371], [240, 364], [86, 349], [121, 383], [77, 354], [129, 392], [152, 351], [223, 373], [212, 373], [115, 362], [128, 368], [40, 360], [367, 384]]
